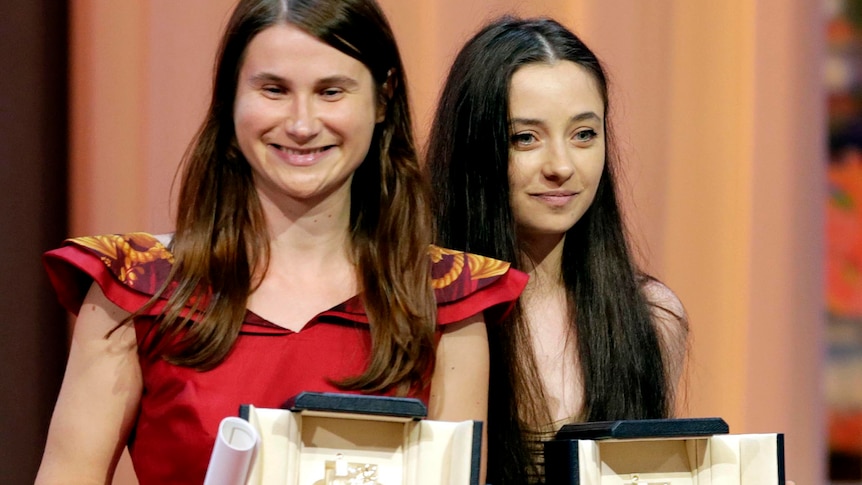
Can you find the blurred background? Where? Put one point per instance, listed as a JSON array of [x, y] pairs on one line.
[[740, 129], [843, 80]]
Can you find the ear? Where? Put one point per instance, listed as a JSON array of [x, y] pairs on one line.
[[387, 90]]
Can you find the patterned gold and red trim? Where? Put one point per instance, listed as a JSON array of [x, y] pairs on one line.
[[140, 262]]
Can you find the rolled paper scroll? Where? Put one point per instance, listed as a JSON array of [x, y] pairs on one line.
[[233, 453]]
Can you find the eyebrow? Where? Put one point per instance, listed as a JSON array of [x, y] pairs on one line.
[[266, 77], [337, 79], [587, 115]]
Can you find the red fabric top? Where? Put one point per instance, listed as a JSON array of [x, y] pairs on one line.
[[181, 407]]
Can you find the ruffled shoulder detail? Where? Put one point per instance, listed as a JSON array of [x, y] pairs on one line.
[[466, 284], [129, 268]]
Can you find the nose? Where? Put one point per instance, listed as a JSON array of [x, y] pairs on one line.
[[301, 123], [559, 165]]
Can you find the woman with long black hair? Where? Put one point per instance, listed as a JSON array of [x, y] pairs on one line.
[[523, 167]]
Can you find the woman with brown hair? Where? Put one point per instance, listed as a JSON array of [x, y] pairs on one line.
[[300, 261]]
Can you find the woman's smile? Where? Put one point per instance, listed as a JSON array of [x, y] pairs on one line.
[[556, 198], [301, 157]]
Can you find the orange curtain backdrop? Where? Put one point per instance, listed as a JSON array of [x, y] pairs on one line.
[[140, 83], [718, 109]]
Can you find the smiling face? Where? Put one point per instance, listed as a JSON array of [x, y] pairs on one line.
[[556, 149], [304, 116]]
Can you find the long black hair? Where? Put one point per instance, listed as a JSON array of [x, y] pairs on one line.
[[619, 350]]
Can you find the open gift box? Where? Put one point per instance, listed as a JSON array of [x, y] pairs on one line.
[[348, 439], [663, 452]]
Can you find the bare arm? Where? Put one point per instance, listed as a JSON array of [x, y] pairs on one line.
[[459, 386], [98, 400]]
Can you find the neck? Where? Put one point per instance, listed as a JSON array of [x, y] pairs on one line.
[[543, 260], [308, 232]]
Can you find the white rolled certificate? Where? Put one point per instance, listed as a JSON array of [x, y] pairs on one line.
[[234, 452]]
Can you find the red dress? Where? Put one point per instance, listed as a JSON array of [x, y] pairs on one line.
[[181, 407]]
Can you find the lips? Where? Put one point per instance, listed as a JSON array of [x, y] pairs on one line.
[[555, 198], [300, 156]]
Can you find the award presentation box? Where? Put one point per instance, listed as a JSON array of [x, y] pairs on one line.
[[348, 439], [663, 452]]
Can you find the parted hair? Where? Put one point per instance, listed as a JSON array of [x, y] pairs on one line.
[[619, 351], [221, 244]]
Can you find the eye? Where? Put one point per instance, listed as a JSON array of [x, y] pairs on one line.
[[523, 140], [332, 94], [584, 136], [272, 90]]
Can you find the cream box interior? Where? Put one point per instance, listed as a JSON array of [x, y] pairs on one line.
[[721, 459], [314, 447]]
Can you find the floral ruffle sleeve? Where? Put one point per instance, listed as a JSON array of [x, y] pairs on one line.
[[129, 268]]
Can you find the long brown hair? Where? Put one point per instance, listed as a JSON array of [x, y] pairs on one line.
[[221, 244]]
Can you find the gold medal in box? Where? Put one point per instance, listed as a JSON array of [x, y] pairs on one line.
[[341, 472], [351, 439]]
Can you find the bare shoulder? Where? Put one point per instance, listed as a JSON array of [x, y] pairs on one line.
[[671, 322], [666, 307]]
